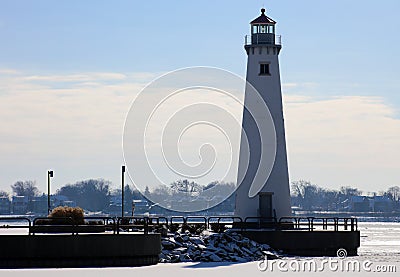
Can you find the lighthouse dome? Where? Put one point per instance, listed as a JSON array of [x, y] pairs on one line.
[[263, 19]]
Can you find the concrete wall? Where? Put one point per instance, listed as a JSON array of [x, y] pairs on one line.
[[316, 243], [77, 250]]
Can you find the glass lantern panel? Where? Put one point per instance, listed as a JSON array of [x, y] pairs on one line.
[[254, 30]]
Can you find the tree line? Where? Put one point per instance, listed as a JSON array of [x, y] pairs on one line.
[[96, 194], [312, 197], [91, 195]]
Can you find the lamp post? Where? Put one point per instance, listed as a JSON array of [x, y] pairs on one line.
[[50, 174], [123, 190]]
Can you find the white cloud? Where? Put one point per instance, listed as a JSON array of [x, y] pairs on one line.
[[8, 71], [86, 77], [289, 85], [343, 141], [73, 124], [71, 127]]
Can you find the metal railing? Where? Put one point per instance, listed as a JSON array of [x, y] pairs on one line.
[[319, 223], [12, 219], [200, 221], [140, 224], [249, 40], [222, 223], [260, 222], [68, 225], [132, 223], [108, 222], [54, 224], [192, 223]]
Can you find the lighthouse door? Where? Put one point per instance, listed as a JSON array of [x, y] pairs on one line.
[[265, 204]]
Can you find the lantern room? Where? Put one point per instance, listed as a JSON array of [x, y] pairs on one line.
[[263, 30]]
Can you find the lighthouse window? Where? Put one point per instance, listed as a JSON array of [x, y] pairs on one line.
[[264, 69]]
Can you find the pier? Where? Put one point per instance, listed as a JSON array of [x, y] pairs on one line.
[[136, 241]]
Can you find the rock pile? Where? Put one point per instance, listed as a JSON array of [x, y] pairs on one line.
[[223, 247]]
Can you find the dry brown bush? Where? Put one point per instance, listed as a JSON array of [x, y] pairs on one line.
[[76, 213]]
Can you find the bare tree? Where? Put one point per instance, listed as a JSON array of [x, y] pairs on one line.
[[393, 193], [309, 196], [299, 188], [4, 194], [349, 191], [186, 187], [25, 188]]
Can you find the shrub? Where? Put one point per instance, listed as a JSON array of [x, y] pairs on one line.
[[75, 213]]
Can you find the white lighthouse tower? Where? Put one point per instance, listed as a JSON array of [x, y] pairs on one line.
[[272, 199]]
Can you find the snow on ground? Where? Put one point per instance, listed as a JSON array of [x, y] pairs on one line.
[[178, 270]]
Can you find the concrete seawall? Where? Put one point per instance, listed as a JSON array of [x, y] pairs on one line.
[[316, 243], [89, 250]]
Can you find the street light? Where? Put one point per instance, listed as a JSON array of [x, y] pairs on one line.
[[123, 190], [50, 174]]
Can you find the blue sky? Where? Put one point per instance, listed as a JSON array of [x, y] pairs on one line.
[[343, 45], [336, 55]]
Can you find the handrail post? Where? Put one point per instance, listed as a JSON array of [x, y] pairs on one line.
[[146, 225], [50, 173], [122, 190]]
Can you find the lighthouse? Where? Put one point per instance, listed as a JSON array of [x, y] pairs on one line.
[[269, 196]]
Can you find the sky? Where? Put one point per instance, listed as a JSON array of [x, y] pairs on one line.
[[69, 71]]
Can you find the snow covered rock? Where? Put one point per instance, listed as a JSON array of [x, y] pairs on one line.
[[222, 247]]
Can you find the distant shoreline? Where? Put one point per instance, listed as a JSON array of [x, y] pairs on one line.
[[361, 216]]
